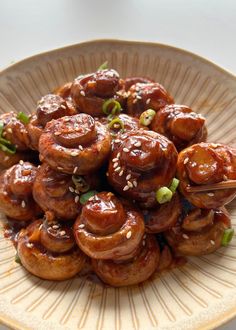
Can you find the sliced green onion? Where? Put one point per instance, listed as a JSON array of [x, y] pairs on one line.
[[80, 183], [11, 149], [103, 66], [111, 106], [23, 117], [227, 236], [163, 195], [117, 123], [147, 117], [1, 127], [85, 197], [174, 185], [17, 258]]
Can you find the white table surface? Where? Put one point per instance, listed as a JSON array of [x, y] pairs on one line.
[[205, 27]]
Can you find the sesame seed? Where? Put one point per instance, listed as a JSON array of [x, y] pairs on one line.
[[211, 194], [148, 101], [129, 184], [117, 169], [76, 199], [137, 144], [138, 97], [185, 236], [63, 106], [129, 234], [23, 204], [144, 242], [128, 176], [225, 177], [5, 193], [114, 160], [121, 172], [71, 189], [126, 188], [74, 153], [55, 226], [135, 183], [82, 225], [126, 150], [186, 160], [29, 245], [212, 242], [57, 133], [82, 93], [80, 147], [115, 165], [118, 155], [62, 233], [9, 130], [75, 170], [117, 141], [107, 174], [21, 162], [135, 101], [6, 158]]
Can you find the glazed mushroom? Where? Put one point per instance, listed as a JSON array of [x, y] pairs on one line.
[[164, 216], [107, 229], [199, 232], [90, 91], [16, 184], [75, 144], [180, 125], [49, 107], [130, 81], [60, 193], [142, 162], [48, 250], [131, 272], [143, 96], [207, 163]]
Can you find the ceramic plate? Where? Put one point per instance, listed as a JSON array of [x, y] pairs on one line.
[[201, 294]]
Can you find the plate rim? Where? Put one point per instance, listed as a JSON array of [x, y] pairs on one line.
[[223, 317]]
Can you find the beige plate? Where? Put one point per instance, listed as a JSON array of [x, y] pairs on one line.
[[200, 295]]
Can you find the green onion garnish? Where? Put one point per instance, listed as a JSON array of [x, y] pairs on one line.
[[1, 127], [117, 124], [111, 106], [11, 149], [23, 117], [163, 195], [227, 236], [85, 197], [80, 183], [17, 258], [103, 66], [174, 185], [147, 117]]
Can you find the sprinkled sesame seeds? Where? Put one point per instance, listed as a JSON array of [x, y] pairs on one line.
[[135, 183], [29, 245], [135, 101], [75, 170], [138, 97], [212, 242], [74, 153], [62, 233], [186, 160], [71, 189], [225, 177], [21, 162], [80, 148], [59, 168], [126, 188], [121, 172], [144, 243], [185, 236], [129, 234], [117, 169], [57, 133], [148, 101], [128, 176], [115, 160], [211, 194], [81, 226], [117, 141], [129, 184], [76, 199], [63, 106], [55, 226], [115, 164], [118, 155], [9, 130], [107, 174], [137, 144], [82, 93], [6, 158], [23, 204], [126, 150]]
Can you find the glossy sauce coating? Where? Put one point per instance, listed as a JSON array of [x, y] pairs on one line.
[[75, 144], [143, 96], [130, 81], [48, 251], [89, 92], [207, 163], [180, 125], [142, 162], [108, 230], [16, 186]]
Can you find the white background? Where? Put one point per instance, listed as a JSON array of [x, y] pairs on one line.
[[205, 27]]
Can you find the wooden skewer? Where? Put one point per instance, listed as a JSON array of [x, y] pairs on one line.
[[230, 184]]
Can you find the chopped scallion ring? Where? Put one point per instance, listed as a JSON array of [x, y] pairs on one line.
[[174, 185], [85, 197], [1, 127], [17, 258], [11, 149], [23, 117], [227, 237], [147, 117], [117, 124], [103, 66], [163, 195], [111, 106]]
